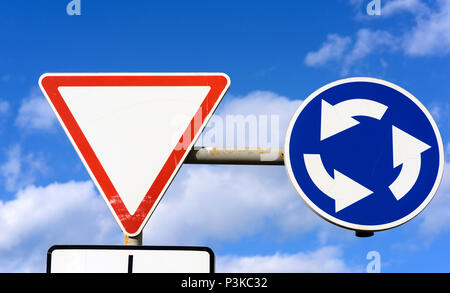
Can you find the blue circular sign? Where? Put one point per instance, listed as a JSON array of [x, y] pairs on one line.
[[364, 154]]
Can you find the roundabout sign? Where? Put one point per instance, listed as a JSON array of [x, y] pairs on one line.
[[364, 154]]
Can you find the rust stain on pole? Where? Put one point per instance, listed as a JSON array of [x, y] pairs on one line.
[[136, 240], [236, 156]]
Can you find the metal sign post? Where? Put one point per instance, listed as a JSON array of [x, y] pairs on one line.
[[235, 156], [133, 240]]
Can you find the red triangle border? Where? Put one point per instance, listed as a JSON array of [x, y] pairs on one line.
[[132, 224]]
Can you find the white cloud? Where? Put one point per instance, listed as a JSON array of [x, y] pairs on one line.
[[398, 6], [39, 217], [73, 213], [259, 102], [331, 50], [323, 260], [4, 107], [342, 51], [35, 113], [436, 111], [440, 110], [205, 203], [367, 42], [436, 217], [258, 119], [226, 203], [20, 170], [431, 35]]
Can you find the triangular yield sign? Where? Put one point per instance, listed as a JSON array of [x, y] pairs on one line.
[[133, 131]]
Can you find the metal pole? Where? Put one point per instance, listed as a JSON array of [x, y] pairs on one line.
[[235, 156], [135, 240]]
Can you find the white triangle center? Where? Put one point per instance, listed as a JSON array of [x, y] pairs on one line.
[[133, 130]]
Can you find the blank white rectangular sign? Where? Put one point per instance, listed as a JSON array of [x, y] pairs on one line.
[[129, 259]]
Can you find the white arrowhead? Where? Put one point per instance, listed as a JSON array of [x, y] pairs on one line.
[[334, 121], [344, 190], [407, 152], [347, 191], [406, 146], [337, 118]]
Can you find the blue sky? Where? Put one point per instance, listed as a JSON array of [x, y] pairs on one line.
[[276, 54]]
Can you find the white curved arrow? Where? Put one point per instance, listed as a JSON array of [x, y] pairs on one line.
[[337, 118], [344, 190], [407, 152]]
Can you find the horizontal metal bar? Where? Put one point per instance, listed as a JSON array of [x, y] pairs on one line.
[[235, 156]]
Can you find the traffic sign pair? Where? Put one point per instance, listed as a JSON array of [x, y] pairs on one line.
[[363, 153]]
